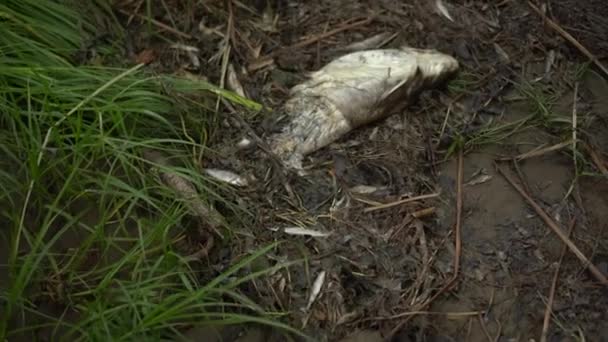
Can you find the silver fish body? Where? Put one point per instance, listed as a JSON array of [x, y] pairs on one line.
[[354, 90]]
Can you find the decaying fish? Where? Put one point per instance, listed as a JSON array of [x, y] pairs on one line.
[[354, 90], [227, 177]]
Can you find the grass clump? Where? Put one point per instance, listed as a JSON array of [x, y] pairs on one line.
[[88, 233]]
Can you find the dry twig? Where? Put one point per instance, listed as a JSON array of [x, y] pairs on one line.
[[282, 172], [403, 201], [539, 151], [457, 244], [264, 61], [415, 313], [556, 229], [545, 331], [570, 39], [422, 213], [187, 191], [482, 324], [601, 165], [158, 24]]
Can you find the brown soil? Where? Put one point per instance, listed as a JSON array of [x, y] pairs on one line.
[[383, 265]]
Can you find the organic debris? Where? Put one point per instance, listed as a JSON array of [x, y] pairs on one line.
[[227, 177], [186, 190], [316, 289], [443, 10], [304, 232], [393, 225]]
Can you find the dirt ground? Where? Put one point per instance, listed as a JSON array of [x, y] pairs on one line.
[[386, 265]]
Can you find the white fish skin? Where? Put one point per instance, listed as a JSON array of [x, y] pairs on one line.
[[227, 177], [354, 90]]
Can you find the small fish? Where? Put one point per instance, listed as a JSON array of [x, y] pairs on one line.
[[227, 177]]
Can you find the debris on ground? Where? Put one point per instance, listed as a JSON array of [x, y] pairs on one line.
[[227, 177], [374, 210], [407, 228]]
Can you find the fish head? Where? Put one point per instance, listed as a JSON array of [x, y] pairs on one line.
[[434, 65]]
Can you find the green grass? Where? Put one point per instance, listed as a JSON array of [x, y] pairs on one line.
[[86, 222], [541, 101], [465, 81]]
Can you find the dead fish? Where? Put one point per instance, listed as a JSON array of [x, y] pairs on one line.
[[227, 177], [354, 90], [366, 189]]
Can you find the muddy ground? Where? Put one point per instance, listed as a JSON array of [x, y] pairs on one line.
[[386, 264]]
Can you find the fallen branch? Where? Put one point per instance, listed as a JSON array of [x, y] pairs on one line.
[[597, 160], [457, 244], [556, 229], [570, 38], [187, 191], [266, 60], [548, 310], [482, 324], [415, 313], [399, 202], [158, 24], [328, 34], [282, 173], [539, 151]]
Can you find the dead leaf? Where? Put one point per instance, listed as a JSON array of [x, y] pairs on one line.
[[145, 56], [316, 289], [443, 10]]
